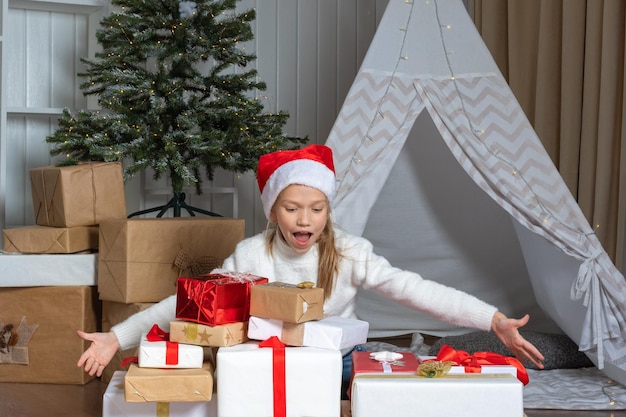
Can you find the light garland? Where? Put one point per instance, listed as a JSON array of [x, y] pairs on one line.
[[541, 210]]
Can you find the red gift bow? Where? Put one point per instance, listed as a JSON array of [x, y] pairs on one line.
[[278, 372], [473, 363], [156, 334]]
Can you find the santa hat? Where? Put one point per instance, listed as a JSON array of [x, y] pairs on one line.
[[311, 166]]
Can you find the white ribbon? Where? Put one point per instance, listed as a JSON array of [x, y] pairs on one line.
[[587, 287], [387, 359]]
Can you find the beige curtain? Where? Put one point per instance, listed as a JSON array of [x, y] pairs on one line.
[[564, 60]]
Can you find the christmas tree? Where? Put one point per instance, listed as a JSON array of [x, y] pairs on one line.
[[176, 94]]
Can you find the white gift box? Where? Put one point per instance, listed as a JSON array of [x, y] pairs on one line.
[[35, 270], [470, 395], [328, 333], [114, 404], [154, 355], [244, 375]]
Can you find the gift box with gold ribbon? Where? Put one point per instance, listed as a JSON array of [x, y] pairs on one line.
[[409, 395], [168, 385], [287, 302], [480, 362], [215, 299], [115, 405]]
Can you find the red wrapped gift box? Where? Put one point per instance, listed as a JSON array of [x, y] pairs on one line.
[[378, 363], [215, 299]]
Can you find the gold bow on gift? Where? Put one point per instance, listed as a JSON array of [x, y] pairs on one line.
[[196, 266], [434, 369]]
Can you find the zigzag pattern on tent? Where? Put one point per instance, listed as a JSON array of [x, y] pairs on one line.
[[494, 128], [505, 158], [367, 125]]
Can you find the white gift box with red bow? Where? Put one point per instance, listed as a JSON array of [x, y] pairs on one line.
[[156, 351]]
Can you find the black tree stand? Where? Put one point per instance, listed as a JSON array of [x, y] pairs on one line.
[[177, 202]]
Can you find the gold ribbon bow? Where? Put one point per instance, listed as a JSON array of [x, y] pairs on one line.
[[196, 266]]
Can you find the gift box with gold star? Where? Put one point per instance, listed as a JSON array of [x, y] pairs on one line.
[[204, 335]]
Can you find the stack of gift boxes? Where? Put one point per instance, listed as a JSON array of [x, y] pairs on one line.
[[274, 347], [48, 273], [278, 355]]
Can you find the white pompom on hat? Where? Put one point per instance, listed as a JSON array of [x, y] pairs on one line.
[[311, 166]]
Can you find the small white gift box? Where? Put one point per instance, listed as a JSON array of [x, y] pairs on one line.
[[245, 381], [328, 333], [115, 405], [469, 395], [166, 354]]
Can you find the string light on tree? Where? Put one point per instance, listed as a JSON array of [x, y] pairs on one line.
[[175, 90]]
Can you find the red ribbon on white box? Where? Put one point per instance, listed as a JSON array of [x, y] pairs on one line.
[[278, 374], [156, 334], [473, 363]]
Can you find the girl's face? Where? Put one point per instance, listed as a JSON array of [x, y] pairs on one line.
[[301, 214]]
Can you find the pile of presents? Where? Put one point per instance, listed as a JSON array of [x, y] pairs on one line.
[[239, 345]]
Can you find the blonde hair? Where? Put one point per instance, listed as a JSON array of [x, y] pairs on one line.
[[328, 255]]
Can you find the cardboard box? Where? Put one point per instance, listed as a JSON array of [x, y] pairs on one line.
[[204, 335], [168, 385], [51, 315], [78, 195], [115, 405], [287, 302], [44, 239], [403, 395], [245, 381], [328, 333], [167, 354], [19, 270], [140, 259], [215, 299], [112, 314]]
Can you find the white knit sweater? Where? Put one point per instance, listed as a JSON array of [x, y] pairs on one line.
[[359, 267]]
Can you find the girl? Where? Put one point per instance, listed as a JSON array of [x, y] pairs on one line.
[[301, 244]]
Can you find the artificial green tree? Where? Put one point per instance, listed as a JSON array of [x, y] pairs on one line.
[[177, 94]]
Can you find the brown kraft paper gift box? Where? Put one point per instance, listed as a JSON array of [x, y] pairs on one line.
[[203, 335], [286, 302], [54, 240], [78, 195], [51, 316], [112, 314], [139, 260], [169, 385]]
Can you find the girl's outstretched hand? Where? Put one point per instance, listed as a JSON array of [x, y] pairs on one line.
[[507, 331], [100, 352]]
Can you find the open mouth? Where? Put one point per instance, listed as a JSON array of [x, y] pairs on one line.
[[302, 237]]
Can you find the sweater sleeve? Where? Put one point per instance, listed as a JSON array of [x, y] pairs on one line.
[[129, 331], [412, 290]]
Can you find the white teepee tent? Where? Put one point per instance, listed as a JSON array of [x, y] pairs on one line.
[[429, 80]]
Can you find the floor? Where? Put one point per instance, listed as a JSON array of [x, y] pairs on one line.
[[40, 400]]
